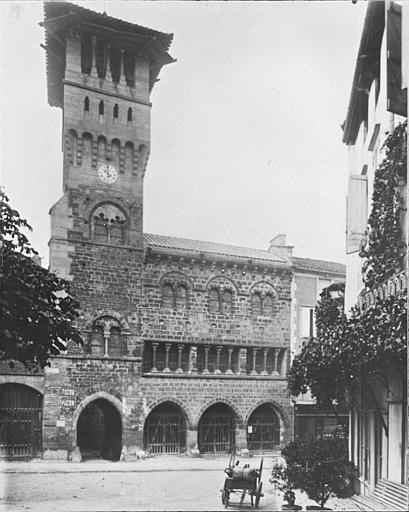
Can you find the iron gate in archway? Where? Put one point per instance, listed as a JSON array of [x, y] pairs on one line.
[[216, 433], [165, 430], [21, 409], [264, 433]]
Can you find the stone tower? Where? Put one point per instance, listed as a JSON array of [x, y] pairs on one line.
[[100, 72]]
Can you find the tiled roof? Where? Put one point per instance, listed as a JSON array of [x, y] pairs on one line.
[[175, 244], [318, 265]]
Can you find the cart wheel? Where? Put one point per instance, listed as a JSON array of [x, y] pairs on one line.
[[259, 494], [225, 497]]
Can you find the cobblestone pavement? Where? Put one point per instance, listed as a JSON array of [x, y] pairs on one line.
[[161, 483]]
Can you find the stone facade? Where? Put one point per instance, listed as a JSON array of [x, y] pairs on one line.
[[186, 343]]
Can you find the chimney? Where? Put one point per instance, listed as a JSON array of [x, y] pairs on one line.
[[279, 248]]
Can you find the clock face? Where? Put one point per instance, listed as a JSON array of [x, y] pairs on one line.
[[107, 173]]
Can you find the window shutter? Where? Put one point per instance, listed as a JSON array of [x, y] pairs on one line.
[[357, 211]]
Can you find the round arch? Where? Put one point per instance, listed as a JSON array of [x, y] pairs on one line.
[[278, 410], [91, 398], [177, 402], [217, 428], [221, 282], [226, 401], [164, 430], [264, 287]]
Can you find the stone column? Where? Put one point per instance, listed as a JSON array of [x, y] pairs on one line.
[[154, 348], [264, 372], [218, 350], [122, 80], [275, 367], [108, 73], [229, 370], [242, 361], [206, 360], [241, 441], [193, 359], [253, 367], [167, 348], [180, 349], [94, 71], [106, 342], [191, 442]]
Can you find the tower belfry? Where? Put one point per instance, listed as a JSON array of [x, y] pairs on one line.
[[100, 71]]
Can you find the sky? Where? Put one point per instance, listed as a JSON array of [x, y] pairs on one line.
[[246, 137]]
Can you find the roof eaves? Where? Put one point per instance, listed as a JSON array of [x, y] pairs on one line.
[[371, 34]]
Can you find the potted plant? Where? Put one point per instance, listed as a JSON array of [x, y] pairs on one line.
[[281, 480], [320, 468]]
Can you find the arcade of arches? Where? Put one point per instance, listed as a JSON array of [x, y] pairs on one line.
[[166, 429]]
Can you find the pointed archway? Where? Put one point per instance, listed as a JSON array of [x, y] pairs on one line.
[[263, 429], [217, 429], [165, 429], [99, 431]]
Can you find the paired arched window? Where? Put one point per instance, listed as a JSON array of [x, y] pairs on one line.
[[262, 305], [108, 225], [220, 301], [106, 338], [174, 296]]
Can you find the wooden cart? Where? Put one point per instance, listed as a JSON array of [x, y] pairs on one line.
[[243, 481]]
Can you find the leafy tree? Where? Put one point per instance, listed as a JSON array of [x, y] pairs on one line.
[[319, 467], [37, 308], [350, 351]]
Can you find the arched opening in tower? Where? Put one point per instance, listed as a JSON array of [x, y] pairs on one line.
[[99, 431]]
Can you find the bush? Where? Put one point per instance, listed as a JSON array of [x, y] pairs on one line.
[[320, 468]]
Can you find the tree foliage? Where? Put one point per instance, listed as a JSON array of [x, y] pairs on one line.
[[318, 467], [347, 350], [384, 249], [37, 307]]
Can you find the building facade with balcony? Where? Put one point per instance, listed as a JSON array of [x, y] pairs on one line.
[[378, 105]]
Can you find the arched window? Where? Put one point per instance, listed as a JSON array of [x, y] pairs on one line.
[[256, 304], [86, 149], [227, 302], [214, 301], [115, 152], [268, 305], [181, 298], [116, 346], [167, 296], [101, 151], [97, 347], [72, 147], [108, 224], [101, 228], [116, 111], [128, 157], [129, 115], [101, 108], [86, 104], [117, 231]]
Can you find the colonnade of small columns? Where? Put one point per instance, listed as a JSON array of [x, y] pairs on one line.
[[108, 75], [167, 357]]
